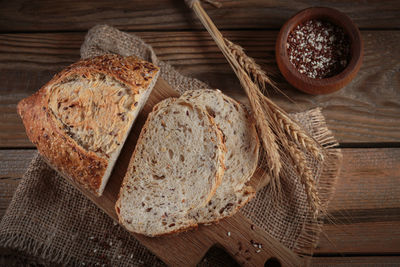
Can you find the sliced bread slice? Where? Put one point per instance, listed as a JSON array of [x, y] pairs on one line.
[[242, 153], [176, 167]]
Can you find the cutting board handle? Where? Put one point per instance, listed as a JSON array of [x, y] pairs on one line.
[[249, 245]]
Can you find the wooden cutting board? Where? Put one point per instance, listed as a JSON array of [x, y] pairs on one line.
[[245, 242]]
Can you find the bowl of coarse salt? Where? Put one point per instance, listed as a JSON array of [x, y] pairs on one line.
[[319, 50]]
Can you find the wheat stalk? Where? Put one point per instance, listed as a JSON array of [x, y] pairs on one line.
[[285, 128], [305, 174], [273, 124], [263, 120], [264, 124], [292, 129]]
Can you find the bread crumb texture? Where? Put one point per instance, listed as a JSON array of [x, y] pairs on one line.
[[95, 109]]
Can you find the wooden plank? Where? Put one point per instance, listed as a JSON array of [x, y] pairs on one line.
[[8, 185], [365, 111], [42, 15], [13, 164], [361, 261], [365, 208], [38, 60]]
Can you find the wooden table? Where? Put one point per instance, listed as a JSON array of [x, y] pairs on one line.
[[39, 38]]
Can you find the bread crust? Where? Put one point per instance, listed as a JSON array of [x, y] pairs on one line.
[[221, 157], [250, 191], [82, 166]]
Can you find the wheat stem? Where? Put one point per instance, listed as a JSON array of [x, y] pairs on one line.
[[306, 177], [264, 125], [263, 120], [273, 124]]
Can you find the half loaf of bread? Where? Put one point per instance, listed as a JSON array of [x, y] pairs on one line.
[[176, 167], [80, 119]]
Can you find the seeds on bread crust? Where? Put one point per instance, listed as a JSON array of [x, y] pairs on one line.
[[73, 120]]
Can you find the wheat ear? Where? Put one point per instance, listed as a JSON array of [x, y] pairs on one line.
[[298, 158], [297, 134], [292, 129], [250, 66], [306, 177]]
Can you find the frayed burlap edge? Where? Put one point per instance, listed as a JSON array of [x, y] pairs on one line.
[[309, 237], [26, 246], [46, 254]]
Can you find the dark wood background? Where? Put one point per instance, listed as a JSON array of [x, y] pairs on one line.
[[39, 38]]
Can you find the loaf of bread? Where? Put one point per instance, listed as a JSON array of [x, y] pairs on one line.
[[80, 120], [176, 167], [242, 147]]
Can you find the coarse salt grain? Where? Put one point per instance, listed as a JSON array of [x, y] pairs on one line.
[[318, 49]]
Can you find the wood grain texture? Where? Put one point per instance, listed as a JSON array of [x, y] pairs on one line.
[[366, 204], [365, 208], [13, 164], [44, 15], [361, 261], [367, 110]]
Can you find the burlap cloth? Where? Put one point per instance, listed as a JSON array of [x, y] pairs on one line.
[[50, 222]]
